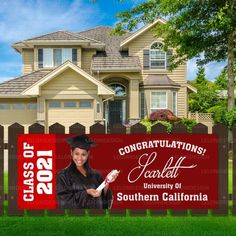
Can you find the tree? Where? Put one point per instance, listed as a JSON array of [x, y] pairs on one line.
[[205, 98], [201, 77], [194, 27], [222, 80]]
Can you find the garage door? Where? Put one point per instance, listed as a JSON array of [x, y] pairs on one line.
[[69, 112]]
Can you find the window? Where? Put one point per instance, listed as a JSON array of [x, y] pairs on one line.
[[47, 57], [174, 103], [158, 100], [18, 106], [32, 106], [54, 104], [57, 57], [118, 89], [5, 106], [70, 104], [142, 105], [157, 56], [51, 57], [85, 104]]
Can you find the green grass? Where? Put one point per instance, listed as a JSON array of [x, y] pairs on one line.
[[204, 226]]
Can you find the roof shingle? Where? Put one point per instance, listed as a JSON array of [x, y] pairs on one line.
[[62, 35], [113, 58], [159, 80], [18, 85], [103, 34], [116, 63]]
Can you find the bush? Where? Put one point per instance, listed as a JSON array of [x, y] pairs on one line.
[[148, 124], [168, 119], [189, 123], [221, 115], [230, 118], [218, 113], [163, 115]]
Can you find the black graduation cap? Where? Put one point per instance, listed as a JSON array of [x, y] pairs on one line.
[[80, 141]]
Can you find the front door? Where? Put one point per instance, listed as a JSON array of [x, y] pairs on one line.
[[115, 112]]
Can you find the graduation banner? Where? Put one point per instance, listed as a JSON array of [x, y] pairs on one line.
[[118, 171]]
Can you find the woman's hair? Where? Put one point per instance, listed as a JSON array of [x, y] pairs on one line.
[[86, 164]]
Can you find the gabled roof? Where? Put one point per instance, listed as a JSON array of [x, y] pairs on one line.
[[18, 85], [112, 60], [34, 89], [59, 37], [141, 31], [29, 85], [103, 34]]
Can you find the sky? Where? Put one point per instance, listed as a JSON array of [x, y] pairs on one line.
[[22, 19]]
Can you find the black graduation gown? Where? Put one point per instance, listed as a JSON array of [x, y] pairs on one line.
[[71, 190]]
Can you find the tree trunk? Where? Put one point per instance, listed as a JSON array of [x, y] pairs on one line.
[[230, 71], [230, 57]]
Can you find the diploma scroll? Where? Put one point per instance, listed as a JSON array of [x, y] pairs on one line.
[[107, 180]]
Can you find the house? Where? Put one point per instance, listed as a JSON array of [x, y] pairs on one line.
[[93, 76]]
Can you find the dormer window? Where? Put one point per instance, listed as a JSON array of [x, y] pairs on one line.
[[157, 56], [51, 57]]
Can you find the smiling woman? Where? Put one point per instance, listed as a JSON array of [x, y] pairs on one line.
[[77, 183]]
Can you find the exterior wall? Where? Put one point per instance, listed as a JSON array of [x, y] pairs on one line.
[[144, 41], [69, 85], [28, 61], [70, 116], [70, 82], [87, 55], [79, 57], [24, 117], [182, 102]]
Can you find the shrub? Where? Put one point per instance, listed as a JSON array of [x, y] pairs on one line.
[[148, 123], [168, 119], [163, 115], [230, 118], [189, 123], [218, 113]]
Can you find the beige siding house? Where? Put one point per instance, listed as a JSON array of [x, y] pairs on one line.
[[93, 76]]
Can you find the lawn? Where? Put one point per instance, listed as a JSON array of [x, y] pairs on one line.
[[168, 225], [126, 225]]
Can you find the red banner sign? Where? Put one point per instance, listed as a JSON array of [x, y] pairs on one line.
[[155, 172]]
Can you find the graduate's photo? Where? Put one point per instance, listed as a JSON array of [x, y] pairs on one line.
[[79, 186]]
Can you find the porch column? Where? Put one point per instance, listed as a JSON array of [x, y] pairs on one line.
[[134, 100]]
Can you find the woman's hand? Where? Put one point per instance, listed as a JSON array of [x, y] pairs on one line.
[[93, 192]]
